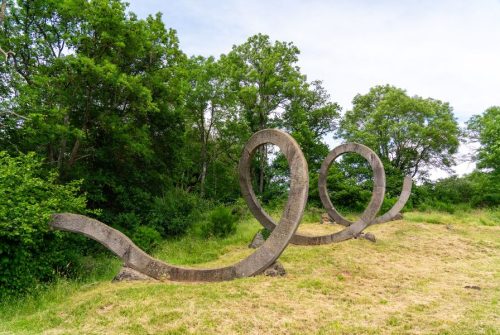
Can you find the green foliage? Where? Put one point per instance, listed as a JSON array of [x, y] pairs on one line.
[[146, 238], [265, 233], [30, 252], [387, 204], [349, 184], [485, 128], [477, 189], [174, 212], [410, 134], [271, 92], [221, 222], [99, 94], [155, 137]]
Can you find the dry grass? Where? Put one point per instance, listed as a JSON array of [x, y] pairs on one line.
[[412, 281]]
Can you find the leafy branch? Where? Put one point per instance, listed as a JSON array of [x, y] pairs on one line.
[[10, 53]]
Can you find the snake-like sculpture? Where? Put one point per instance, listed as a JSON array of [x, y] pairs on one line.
[[254, 264], [352, 229], [283, 233]]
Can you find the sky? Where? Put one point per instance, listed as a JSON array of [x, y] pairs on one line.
[[446, 50]]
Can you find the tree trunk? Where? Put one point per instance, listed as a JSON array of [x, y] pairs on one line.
[[62, 147], [204, 166], [2, 11], [204, 137], [263, 154]]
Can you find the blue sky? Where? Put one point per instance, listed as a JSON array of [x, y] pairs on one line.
[[447, 50]]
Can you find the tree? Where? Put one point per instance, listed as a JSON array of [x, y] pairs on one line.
[[485, 129], [270, 91], [206, 104], [98, 93], [3, 9], [410, 134], [264, 76], [309, 117]]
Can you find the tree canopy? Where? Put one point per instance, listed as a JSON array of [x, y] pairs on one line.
[[412, 134], [485, 129]]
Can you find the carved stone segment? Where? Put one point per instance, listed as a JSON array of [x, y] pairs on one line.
[[353, 230], [393, 213], [254, 264]]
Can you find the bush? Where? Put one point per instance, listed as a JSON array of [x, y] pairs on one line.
[[265, 233], [31, 252], [146, 238], [221, 223], [387, 205], [174, 212], [478, 189]]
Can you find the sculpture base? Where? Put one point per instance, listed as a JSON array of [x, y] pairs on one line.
[[129, 274]]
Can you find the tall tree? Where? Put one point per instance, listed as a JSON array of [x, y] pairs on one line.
[[265, 75], [3, 9], [310, 117], [485, 129], [410, 134], [271, 92], [207, 102]]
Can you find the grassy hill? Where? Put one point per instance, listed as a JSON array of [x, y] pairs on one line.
[[411, 281]]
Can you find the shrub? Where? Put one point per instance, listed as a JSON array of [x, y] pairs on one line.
[[125, 221], [146, 238], [173, 213], [387, 205], [31, 252], [265, 233], [221, 223]]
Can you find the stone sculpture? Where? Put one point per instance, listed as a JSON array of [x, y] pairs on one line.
[[335, 215], [353, 229], [254, 264], [350, 231], [281, 234]]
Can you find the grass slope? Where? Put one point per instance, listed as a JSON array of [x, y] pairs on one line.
[[412, 281]]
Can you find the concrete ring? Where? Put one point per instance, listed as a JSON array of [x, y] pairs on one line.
[[378, 192]]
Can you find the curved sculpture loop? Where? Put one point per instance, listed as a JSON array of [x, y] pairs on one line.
[[398, 206], [335, 215], [352, 230], [254, 264]]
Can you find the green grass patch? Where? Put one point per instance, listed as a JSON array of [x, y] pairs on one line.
[[411, 281]]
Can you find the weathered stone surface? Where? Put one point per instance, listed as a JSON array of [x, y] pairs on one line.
[[398, 216], [276, 269], [378, 184], [254, 264], [325, 219], [368, 236], [129, 274], [258, 241]]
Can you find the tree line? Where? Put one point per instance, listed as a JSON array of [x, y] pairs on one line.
[[91, 95]]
